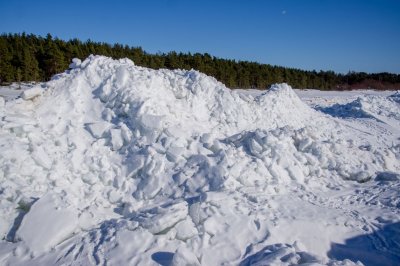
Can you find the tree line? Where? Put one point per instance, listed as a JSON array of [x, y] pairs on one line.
[[27, 57]]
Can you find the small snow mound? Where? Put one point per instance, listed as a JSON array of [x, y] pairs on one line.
[[284, 87], [382, 109], [76, 62], [395, 96], [353, 109]]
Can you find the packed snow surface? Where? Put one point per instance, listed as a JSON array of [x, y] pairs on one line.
[[114, 164]]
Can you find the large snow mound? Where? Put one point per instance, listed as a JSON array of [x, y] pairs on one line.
[[131, 165]]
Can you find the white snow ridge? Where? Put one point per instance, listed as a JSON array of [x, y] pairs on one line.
[[114, 164]]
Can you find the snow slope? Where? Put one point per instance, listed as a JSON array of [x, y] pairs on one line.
[[110, 163]]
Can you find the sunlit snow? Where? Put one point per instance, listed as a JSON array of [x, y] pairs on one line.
[[114, 164]]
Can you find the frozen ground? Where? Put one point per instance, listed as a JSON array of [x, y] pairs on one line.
[[114, 164]]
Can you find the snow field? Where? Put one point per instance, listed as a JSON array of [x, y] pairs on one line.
[[118, 164]]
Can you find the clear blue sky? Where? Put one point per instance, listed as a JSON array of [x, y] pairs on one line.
[[339, 35]]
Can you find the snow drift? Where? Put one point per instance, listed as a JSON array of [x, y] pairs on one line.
[[119, 164]]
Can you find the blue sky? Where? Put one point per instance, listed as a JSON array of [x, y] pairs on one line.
[[357, 35]]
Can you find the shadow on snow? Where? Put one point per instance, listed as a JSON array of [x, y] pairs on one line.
[[382, 247]]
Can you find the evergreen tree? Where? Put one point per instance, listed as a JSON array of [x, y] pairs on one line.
[[31, 58], [53, 59], [6, 68], [30, 66]]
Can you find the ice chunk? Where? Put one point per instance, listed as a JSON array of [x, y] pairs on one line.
[[32, 93], [174, 153], [183, 256], [19, 119], [254, 146], [47, 224], [76, 62], [151, 121], [185, 230], [3, 227], [126, 133], [114, 196], [122, 76], [116, 139], [86, 220], [98, 129], [166, 218], [41, 157]]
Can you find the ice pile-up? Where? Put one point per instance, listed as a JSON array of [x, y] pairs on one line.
[[110, 163], [382, 109]]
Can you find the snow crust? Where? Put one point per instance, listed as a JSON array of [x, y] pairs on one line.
[[123, 165]]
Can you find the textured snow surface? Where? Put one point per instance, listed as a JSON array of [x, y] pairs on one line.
[[114, 164]]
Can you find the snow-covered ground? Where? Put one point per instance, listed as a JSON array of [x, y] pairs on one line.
[[114, 164]]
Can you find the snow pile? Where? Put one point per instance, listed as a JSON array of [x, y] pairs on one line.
[[132, 165], [395, 96], [382, 109]]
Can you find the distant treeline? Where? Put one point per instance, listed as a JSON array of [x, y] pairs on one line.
[[27, 57]]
